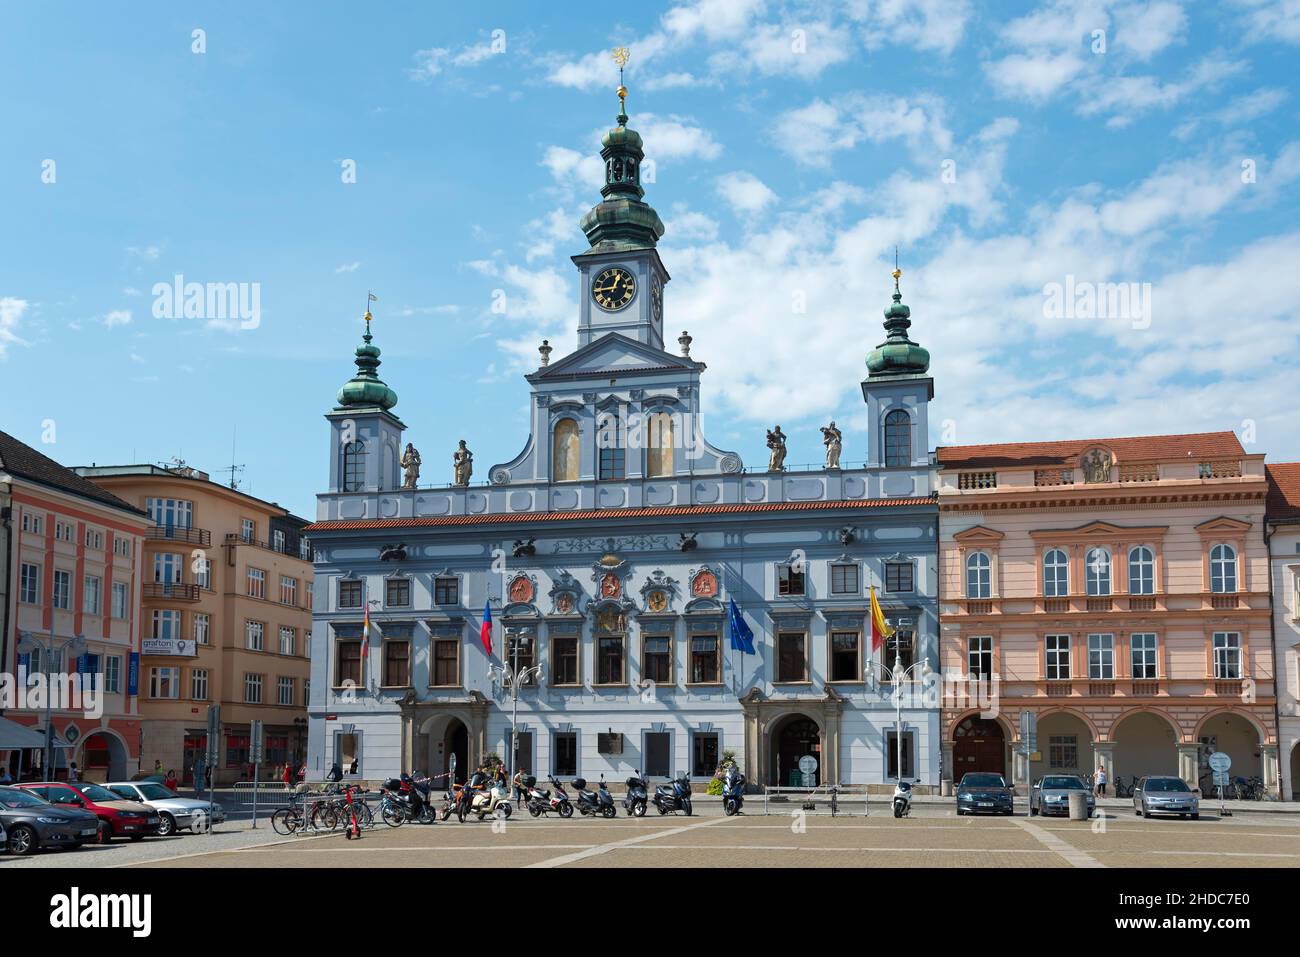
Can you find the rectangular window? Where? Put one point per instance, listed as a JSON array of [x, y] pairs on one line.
[[704, 754], [891, 754], [564, 660], [564, 762], [113, 674], [94, 539], [789, 580], [520, 650], [705, 668], [1227, 655], [349, 593], [1101, 657], [288, 639], [119, 600], [446, 662], [166, 624], [29, 585], [656, 659], [202, 628], [397, 664], [979, 656], [397, 592], [899, 576], [658, 754], [844, 580], [306, 692], [121, 546], [167, 568], [252, 689], [256, 583], [247, 529], [63, 531], [446, 590], [609, 661], [611, 455], [277, 541], [169, 512], [288, 591], [899, 648], [92, 595], [203, 574], [1058, 657], [791, 656], [164, 682], [33, 523], [284, 691], [846, 659], [62, 589], [1143, 648], [199, 684], [1063, 752], [237, 750], [254, 635]]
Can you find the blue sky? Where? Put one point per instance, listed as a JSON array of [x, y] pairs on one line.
[[1003, 147]]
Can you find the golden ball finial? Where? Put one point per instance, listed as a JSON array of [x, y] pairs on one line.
[[897, 273]]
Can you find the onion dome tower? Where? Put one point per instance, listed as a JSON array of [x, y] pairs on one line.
[[898, 355]]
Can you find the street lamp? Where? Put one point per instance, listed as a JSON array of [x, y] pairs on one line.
[[513, 678], [898, 676], [27, 643]]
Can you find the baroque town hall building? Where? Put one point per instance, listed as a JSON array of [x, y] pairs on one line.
[[610, 550]]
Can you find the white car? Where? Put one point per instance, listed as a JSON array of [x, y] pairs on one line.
[[176, 813]]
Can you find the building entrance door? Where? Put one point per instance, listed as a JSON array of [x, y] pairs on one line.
[[794, 738], [978, 745]]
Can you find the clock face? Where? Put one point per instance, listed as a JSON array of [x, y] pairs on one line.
[[657, 300], [613, 288]]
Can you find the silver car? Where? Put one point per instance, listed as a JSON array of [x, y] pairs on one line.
[[1051, 795], [176, 813], [1165, 794]]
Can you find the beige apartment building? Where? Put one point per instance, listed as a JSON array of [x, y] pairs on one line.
[[226, 620]]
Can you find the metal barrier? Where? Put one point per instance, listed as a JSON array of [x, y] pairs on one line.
[[832, 799], [270, 795]]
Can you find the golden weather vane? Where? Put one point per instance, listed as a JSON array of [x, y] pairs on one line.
[[621, 56]]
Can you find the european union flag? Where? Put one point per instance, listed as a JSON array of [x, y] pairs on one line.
[[742, 638]]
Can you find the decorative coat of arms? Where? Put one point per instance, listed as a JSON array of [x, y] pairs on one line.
[[704, 584], [520, 590]]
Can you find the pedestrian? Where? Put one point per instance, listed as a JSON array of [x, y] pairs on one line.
[[5, 776], [157, 766], [170, 781], [1101, 780], [73, 774], [519, 788], [287, 776]]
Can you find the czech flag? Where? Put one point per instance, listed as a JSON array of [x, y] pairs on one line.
[[485, 632], [880, 629]]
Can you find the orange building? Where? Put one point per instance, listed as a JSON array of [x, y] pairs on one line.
[[1118, 589], [226, 620]]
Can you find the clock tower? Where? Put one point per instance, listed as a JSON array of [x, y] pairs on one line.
[[621, 276]]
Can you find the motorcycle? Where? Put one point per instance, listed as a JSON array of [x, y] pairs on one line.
[[902, 799], [733, 790], [543, 802], [469, 793], [634, 801], [594, 802], [494, 800], [406, 799], [674, 796]]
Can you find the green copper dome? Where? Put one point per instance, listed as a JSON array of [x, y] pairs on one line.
[[366, 389], [898, 355], [621, 220]]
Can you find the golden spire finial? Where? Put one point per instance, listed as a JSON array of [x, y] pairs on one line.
[[897, 272], [621, 56], [370, 297]]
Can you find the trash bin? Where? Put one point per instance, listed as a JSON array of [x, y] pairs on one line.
[[1078, 806]]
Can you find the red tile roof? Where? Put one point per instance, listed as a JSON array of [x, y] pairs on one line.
[[667, 511], [24, 461], [1137, 448], [1283, 501]]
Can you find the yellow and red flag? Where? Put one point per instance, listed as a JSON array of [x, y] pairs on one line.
[[880, 629]]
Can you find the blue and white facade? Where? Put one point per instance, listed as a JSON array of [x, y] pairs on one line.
[[610, 549]]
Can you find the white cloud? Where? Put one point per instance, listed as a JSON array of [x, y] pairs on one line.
[[673, 138], [686, 225], [118, 317], [147, 253], [1143, 30], [1271, 19], [745, 192], [431, 62], [1035, 76], [812, 133], [11, 314], [790, 48], [574, 171], [923, 24], [348, 267]]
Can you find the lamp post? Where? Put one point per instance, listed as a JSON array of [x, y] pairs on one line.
[[27, 643], [899, 675], [513, 678]]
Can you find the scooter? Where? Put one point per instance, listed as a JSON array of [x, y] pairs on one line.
[[902, 799], [406, 799], [634, 801], [494, 800], [733, 790], [594, 803], [674, 796], [543, 802]]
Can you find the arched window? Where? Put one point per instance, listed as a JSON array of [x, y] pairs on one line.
[[659, 445], [565, 451], [1223, 568], [1056, 574], [1096, 566], [979, 576], [354, 466], [611, 455], [898, 439], [1141, 571]]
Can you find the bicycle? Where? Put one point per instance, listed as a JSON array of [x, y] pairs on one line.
[[288, 820]]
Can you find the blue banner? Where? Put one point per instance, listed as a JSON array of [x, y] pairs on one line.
[[133, 674]]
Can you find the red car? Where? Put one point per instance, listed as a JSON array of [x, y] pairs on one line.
[[117, 818]]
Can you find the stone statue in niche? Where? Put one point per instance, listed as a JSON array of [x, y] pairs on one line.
[[410, 466], [462, 461], [833, 439], [1096, 466], [776, 442]]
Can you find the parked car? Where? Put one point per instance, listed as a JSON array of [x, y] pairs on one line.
[[31, 823], [1051, 795], [117, 818], [982, 792], [175, 813], [1165, 794]]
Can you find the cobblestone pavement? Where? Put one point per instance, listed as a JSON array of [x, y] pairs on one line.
[[932, 837]]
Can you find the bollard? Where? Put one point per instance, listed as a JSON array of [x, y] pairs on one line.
[[1078, 806]]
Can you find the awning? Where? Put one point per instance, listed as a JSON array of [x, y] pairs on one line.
[[15, 736]]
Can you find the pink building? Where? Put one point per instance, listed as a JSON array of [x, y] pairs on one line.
[[1118, 589]]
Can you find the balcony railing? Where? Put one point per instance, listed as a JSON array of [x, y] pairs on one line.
[[290, 547], [1100, 604], [1223, 469], [1056, 605], [1057, 688], [1101, 689], [174, 591], [1146, 688], [1053, 477], [169, 533], [1137, 603], [979, 607], [1139, 473], [1224, 601], [977, 480], [1228, 687]]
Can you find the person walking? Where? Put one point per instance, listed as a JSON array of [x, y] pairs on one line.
[[1101, 780], [73, 774]]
